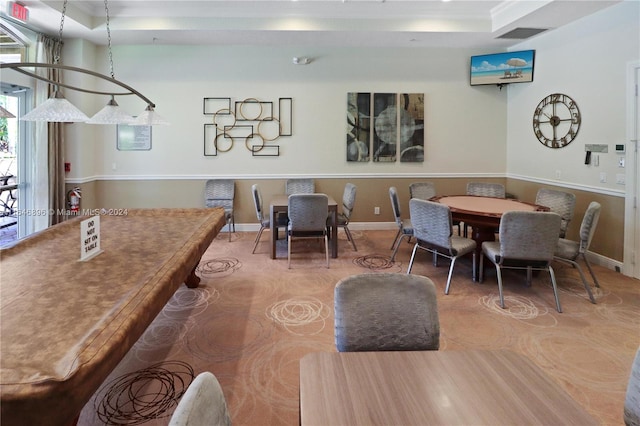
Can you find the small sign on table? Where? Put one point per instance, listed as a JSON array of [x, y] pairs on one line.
[[90, 238]]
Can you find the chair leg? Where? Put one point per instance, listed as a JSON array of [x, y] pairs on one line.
[[480, 268], [499, 274], [395, 240], [584, 281], [350, 238], [393, 256], [529, 275], [413, 255], [453, 262], [289, 251], [555, 288], [257, 239], [595, 280], [326, 248], [229, 227], [473, 271]]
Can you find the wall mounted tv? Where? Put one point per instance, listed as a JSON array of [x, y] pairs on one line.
[[502, 68]]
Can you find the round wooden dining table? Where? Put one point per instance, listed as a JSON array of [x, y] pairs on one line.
[[483, 214]]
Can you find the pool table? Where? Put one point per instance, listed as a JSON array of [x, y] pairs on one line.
[[65, 324]]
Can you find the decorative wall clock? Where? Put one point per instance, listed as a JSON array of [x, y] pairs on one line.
[[556, 120]]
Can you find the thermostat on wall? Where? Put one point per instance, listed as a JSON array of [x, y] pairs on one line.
[[620, 148]]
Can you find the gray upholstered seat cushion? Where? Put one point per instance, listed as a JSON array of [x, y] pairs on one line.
[[386, 312], [567, 249]]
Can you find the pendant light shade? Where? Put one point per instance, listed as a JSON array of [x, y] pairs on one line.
[[111, 114], [57, 109], [149, 117], [5, 113]]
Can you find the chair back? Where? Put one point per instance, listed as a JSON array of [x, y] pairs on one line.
[[202, 404], [386, 312], [632, 397], [431, 222], [257, 201], [308, 212], [526, 235], [395, 205], [588, 225], [486, 189], [422, 190], [348, 200], [220, 193], [561, 202], [300, 186]]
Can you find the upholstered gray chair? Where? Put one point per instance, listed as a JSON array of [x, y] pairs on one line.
[[263, 218], [568, 250], [386, 312], [527, 241], [220, 193], [422, 190], [300, 186], [432, 231], [486, 189], [405, 230], [632, 397], [561, 202], [348, 202], [202, 404], [426, 191], [308, 219]]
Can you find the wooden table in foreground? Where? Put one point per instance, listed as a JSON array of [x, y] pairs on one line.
[[66, 324], [466, 387], [280, 203]]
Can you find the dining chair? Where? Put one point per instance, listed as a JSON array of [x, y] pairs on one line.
[[203, 403], [422, 190], [433, 232], [263, 218], [527, 240], [405, 230], [307, 219], [631, 411], [386, 312], [561, 202], [343, 218], [426, 191], [300, 186], [568, 251], [221, 193], [484, 189]]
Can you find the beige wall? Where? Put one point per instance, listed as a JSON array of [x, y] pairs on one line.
[[371, 192]]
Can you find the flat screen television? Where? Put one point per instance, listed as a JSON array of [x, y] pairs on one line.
[[502, 68]]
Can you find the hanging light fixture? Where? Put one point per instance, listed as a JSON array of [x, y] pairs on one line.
[[4, 113], [111, 113], [58, 109]]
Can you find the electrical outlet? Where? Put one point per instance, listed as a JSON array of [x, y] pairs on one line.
[[603, 177], [558, 174], [620, 179], [376, 210]]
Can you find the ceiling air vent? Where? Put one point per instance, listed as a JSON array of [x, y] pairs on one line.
[[522, 33]]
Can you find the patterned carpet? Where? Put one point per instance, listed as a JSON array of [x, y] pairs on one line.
[[252, 319]]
